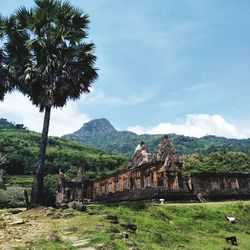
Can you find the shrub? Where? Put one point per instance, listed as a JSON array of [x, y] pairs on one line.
[[1, 178], [12, 197], [50, 188], [3, 198]]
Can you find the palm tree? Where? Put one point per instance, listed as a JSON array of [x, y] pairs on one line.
[[4, 84], [50, 61]]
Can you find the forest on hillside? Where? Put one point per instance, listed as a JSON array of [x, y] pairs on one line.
[[20, 148], [101, 134]]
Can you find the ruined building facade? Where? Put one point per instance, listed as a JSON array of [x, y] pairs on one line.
[[154, 176]]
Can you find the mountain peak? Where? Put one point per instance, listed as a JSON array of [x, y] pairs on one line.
[[98, 125], [101, 134]]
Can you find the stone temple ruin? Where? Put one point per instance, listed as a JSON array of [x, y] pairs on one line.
[[154, 176]]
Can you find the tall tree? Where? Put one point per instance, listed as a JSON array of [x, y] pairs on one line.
[[5, 86], [50, 60]]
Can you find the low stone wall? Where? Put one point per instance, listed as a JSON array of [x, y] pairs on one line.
[[157, 176], [212, 186]]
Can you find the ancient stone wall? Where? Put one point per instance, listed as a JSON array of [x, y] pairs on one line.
[[152, 177]]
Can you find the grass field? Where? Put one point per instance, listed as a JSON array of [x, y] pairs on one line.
[[169, 226], [24, 181]]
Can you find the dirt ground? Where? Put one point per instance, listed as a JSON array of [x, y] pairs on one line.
[[20, 229]]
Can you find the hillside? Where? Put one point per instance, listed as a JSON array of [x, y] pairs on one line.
[[159, 227], [20, 148], [101, 134]]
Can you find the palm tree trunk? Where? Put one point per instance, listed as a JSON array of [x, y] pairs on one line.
[[37, 187]]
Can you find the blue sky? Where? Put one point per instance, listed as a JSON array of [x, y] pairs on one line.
[[165, 66]]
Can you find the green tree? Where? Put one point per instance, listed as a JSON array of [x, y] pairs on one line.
[[5, 85], [2, 161], [192, 162], [49, 60]]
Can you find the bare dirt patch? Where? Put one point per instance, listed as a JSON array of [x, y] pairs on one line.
[[14, 233]]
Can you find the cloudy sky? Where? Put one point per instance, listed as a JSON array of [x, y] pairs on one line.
[[164, 67]]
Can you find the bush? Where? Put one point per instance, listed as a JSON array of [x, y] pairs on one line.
[[50, 188], [3, 198], [1, 178], [12, 197]]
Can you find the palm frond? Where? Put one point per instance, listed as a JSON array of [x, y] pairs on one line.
[[24, 17], [46, 54]]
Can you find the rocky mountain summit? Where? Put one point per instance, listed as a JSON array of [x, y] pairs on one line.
[[101, 125], [100, 133]]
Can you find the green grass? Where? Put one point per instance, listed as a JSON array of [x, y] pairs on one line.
[[191, 226], [169, 226], [24, 181], [43, 244]]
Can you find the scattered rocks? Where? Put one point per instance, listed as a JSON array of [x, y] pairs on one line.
[[53, 238], [68, 215], [232, 240], [17, 222], [77, 206], [48, 213], [70, 230], [113, 219], [93, 212], [79, 243], [73, 238], [87, 248], [86, 201], [9, 248], [64, 206], [118, 235], [6, 214], [54, 215], [67, 233], [130, 227], [125, 235], [100, 245], [48, 210], [15, 211], [114, 230], [130, 244], [99, 226]]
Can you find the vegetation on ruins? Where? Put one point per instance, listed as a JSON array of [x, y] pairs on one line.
[[47, 58]]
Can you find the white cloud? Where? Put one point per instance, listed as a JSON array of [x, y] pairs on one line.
[[138, 129], [196, 125], [19, 109]]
